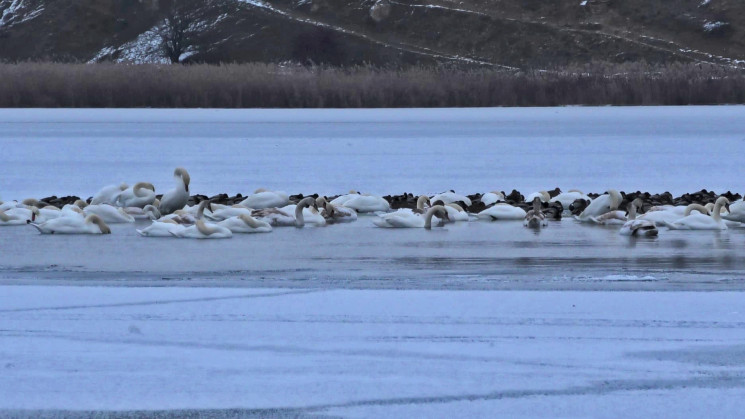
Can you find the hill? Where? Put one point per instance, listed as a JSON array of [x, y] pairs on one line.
[[496, 33]]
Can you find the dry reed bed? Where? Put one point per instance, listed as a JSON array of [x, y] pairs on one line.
[[280, 86]]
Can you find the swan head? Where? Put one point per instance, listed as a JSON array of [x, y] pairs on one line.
[[307, 202], [184, 175], [95, 219], [321, 202], [80, 203], [537, 203], [723, 202], [421, 201], [439, 211]]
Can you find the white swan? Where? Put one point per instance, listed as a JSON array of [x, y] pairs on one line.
[[502, 212], [402, 219], [567, 198], [202, 230], [535, 217], [663, 215], [225, 213], [405, 212], [610, 218], [701, 221], [366, 203], [636, 227], [176, 198], [45, 211], [93, 224], [109, 213], [450, 197], [601, 205], [544, 196], [262, 198], [492, 198], [164, 228], [18, 216], [736, 212], [245, 224], [138, 196], [456, 212], [334, 214], [341, 199], [281, 218], [108, 194], [187, 217]]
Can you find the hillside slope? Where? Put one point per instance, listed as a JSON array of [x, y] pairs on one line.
[[509, 33]]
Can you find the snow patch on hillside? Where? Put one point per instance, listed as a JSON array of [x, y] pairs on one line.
[[18, 11], [144, 49]]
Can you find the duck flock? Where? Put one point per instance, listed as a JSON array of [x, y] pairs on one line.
[[178, 214]]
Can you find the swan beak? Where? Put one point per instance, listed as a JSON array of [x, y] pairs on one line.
[[726, 206]]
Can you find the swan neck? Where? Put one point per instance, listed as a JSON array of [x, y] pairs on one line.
[[299, 220], [202, 227], [717, 214], [429, 215]]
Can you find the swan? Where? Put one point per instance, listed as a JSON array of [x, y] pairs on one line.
[[202, 230], [567, 198], [661, 216], [542, 195], [262, 198], [492, 198], [341, 199], [92, 224], [280, 217], [164, 228], [109, 213], [334, 214], [635, 227], [46, 212], [610, 218], [736, 212], [701, 221], [405, 212], [186, 217], [401, 219], [176, 198], [18, 216], [225, 213], [535, 218], [502, 212], [366, 203], [450, 197], [108, 194], [151, 212], [456, 212], [601, 205], [138, 196], [245, 224]]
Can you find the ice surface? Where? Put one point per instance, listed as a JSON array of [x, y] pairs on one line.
[[384, 151], [373, 353]]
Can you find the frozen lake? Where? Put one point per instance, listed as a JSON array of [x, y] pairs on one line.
[[474, 319], [680, 149]]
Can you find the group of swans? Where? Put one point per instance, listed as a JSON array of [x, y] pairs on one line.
[[264, 210]]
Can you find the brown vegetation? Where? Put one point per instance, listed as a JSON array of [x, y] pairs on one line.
[[280, 86]]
